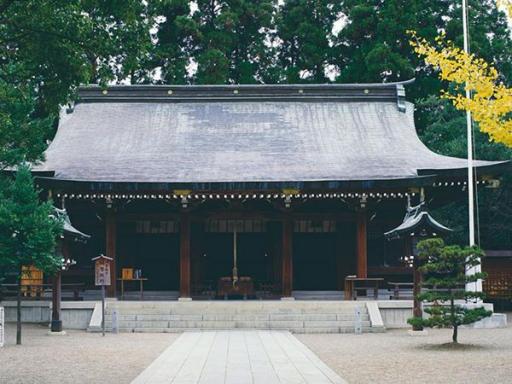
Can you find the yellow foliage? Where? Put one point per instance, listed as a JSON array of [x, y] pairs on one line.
[[490, 102], [506, 5]]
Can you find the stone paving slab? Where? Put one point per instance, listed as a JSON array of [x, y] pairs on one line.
[[238, 357]]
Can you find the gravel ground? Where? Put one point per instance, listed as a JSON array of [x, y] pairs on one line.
[[395, 357], [78, 357], [391, 357]]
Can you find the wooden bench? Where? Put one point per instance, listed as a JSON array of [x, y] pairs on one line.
[[353, 284], [401, 291]]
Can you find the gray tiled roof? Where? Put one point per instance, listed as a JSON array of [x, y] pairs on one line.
[[150, 134]]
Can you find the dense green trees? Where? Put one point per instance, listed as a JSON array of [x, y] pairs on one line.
[[28, 231], [304, 31], [47, 48]]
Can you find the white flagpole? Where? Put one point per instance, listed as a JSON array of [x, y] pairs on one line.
[[477, 286]]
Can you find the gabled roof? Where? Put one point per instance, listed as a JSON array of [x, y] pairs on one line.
[[242, 134], [417, 221]]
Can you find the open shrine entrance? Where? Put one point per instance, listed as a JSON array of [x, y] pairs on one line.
[[153, 248], [187, 254], [227, 249]]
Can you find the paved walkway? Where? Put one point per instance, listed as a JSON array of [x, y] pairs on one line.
[[238, 357]]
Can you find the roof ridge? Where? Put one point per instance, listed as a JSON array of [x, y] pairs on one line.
[[246, 92]]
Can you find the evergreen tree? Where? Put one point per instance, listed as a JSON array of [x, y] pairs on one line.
[[230, 46], [60, 44], [445, 269], [28, 231], [47, 49], [175, 38], [21, 135], [304, 29]]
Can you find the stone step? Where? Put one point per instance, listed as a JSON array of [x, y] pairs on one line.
[[295, 316], [240, 310], [318, 295], [295, 330], [237, 324], [235, 317]]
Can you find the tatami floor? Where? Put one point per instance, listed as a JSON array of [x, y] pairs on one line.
[[238, 357]]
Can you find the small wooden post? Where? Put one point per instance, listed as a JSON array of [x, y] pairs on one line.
[[185, 257], [56, 324], [110, 248], [287, 238], [362, 256]]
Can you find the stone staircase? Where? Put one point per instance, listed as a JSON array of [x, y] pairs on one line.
[[318, 295], [295, 316]]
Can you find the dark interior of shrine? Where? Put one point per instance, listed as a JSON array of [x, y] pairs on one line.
[[324, 251]]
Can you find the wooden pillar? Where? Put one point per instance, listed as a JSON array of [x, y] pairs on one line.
[[417, 283], [185, 257], [110, 248], [56, 324], [340, 262], [287, 269], [362, 248]]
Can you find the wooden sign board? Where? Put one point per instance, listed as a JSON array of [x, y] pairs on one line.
[[127, 273], [102, 271]]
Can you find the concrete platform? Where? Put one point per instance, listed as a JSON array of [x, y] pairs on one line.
[[238, 357]]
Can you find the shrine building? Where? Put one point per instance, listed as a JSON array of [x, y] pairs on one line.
[[276, 191]]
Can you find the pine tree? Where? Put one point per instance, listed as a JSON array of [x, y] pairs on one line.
[[230, 46], [176, 37], [28, 231], [445, 269], [304, 29], [374, 45]]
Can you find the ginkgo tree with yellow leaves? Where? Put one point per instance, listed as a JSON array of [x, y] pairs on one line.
[[506, 5], [490, 102]]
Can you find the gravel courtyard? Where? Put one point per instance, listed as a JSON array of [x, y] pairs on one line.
[[78, 357], [395, 357], [391, 357]]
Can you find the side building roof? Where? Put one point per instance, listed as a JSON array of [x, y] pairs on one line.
[[242, 134]]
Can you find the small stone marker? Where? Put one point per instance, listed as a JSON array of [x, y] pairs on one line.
[[2, 323], [358, 328], [115, 321]]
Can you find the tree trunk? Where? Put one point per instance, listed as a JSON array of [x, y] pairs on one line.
[[416, 291], [18, 312], [453, 318]]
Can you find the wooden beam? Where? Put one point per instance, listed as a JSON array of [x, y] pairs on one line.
[[185, 256], [110, 248], [287, 239], [362, 247]]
